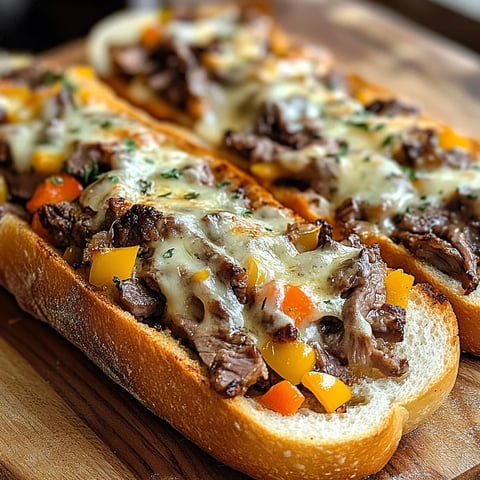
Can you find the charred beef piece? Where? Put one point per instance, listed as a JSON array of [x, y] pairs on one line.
[[279, 127], [138, 226], [67, 223], [33, 75], [390, 107], [233, 360], [361, 282], [224, 267], [171, 69], [420, 149], [445, 236], [328, 363], [21, 186], [89, 159], [132, 60]]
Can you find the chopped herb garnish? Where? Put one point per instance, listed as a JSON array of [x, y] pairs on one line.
[[74, 130], [130, 144], [164, 195], [91, 173], [144, 185], [378, 126], [269, 229], [235, 196], [52, 77], [388, 140], [328, 302], [68, 84], [168, 253], [149, 160], [343, 149], [113, 178], [359, 124], [472, 196], [56, 180], [367, 159], [247, 212], [106, 125], [191, 195], [173, 173], [222, 184], [424, 206], [412, 174]]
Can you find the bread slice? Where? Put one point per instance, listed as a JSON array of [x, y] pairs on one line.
[[170, 380]]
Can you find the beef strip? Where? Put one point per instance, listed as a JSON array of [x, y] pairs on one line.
[[132, 60], [67, 223], [90, 158], [21, 186], [233, 360], [223, 267], [446, 236], [139, 299], [390, 107], [362, 282], [138, 226], [419, 148]]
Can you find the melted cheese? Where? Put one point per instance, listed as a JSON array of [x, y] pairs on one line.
[[211, 217]]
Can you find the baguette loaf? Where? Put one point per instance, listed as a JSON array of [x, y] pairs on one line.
[[170, 379]]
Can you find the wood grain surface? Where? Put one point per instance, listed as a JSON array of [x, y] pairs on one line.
[[61, 418]]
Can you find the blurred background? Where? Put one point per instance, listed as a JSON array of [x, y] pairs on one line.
[[38, 25]]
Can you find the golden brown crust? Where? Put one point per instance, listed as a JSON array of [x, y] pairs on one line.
[[167, 378]]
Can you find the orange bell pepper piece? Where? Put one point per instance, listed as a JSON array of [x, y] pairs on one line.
[[297, 305], [283, 397], [398, 287], [56, 188]]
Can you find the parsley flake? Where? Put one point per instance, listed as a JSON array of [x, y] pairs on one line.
[[222, 184], [387, 140], [56, 180], [173, 173], [191, 195], [168, 253], [165, 195], [106, 124], [130, 144], [145, 185]]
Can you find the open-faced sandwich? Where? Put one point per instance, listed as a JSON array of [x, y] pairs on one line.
[[329, 146], [284, 353]]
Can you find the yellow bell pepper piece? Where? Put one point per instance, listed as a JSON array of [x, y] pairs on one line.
[[112, 262], [266, 171], [255, 274], [450, 139], [330, 391], [46, 161], [307, 240], [398, 287], [291, 360], [3, 190], [201, 275]]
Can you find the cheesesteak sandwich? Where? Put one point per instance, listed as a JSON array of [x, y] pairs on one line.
[[329, 146], [280, 351]]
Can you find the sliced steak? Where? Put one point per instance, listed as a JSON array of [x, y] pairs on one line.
[[89, 159], [67, 223], [233, 360], [14, 209], [140, 300], [419, 148]]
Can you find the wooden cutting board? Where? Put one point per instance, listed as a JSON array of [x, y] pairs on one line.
[[61, 418]]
